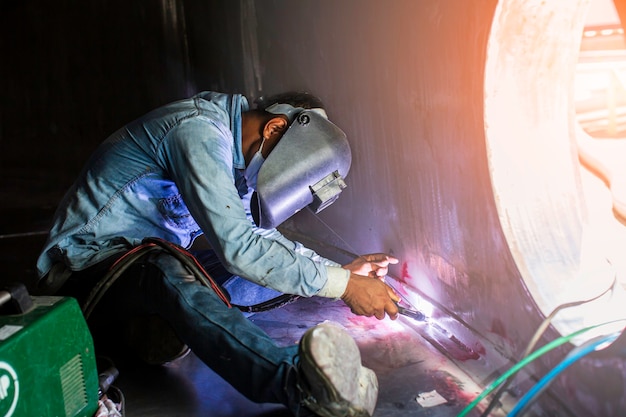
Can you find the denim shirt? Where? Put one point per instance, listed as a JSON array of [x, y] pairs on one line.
[[172, 174]]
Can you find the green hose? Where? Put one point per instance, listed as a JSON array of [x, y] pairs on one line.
[[539, 352]]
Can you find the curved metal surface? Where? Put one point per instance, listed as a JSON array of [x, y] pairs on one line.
[[461, 124], [531, 139], [458, 114]]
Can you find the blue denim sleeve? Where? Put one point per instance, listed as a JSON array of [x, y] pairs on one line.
[[198, 155]]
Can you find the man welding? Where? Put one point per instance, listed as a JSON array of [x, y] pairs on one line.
[[212, 166]]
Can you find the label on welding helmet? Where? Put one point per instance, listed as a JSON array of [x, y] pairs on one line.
[[9, 389]]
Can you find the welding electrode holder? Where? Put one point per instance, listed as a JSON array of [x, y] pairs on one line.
[[414, 314]]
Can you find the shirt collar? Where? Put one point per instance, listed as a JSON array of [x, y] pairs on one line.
[[238, 105]]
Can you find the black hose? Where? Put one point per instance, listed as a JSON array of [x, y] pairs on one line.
[[276, 302], [150, 245]]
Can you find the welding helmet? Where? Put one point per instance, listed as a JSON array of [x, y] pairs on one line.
[[306, 168]]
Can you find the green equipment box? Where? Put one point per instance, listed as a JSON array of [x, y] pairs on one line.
[[47, 362]]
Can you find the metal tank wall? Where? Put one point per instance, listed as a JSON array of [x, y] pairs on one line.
[[462, 128], [427, 92]]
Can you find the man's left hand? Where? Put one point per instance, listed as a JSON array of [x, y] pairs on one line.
[[374, 265]]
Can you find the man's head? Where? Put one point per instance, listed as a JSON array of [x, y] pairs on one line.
[[270, 118], [295, 99], [307, 167]]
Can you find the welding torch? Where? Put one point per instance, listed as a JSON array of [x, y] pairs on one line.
[[407, 312], [414, 314]]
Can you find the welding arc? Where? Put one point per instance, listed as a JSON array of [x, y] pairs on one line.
[[521, 364]]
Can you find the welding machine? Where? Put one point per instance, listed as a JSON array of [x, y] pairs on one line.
[[47, 361]]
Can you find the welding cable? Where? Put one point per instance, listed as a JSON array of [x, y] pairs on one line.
[[592, 345], [276, 302], [192, 264], [115, 271], [537, 335], [525, 361], [198, 270], [150, 245]]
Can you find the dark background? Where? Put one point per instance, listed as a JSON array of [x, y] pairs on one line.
[[72, 72]]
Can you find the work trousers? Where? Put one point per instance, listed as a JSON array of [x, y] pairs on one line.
[[221, 336]]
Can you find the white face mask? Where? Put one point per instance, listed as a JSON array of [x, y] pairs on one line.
[[252, 170]]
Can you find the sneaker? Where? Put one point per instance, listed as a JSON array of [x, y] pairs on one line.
[[335, 384]]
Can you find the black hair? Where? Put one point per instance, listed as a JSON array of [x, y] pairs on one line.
[[294, 98]]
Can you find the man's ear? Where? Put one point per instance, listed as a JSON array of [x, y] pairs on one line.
[[275, 127]]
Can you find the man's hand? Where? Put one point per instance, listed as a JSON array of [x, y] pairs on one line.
[[368, 296], [366, 293], [373, 265]]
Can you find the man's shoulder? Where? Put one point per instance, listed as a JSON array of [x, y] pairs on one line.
[[224, 101], [207, 105], [213, 97]]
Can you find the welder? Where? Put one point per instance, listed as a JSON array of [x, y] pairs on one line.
[[122, 243]]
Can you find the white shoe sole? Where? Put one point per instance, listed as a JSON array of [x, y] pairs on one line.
[[331, 363]]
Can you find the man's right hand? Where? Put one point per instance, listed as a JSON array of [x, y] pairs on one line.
[[367, 296]]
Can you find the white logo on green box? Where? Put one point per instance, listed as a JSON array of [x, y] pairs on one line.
[[9, 389]]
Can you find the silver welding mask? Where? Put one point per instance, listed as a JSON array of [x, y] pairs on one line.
[[306, 168]]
